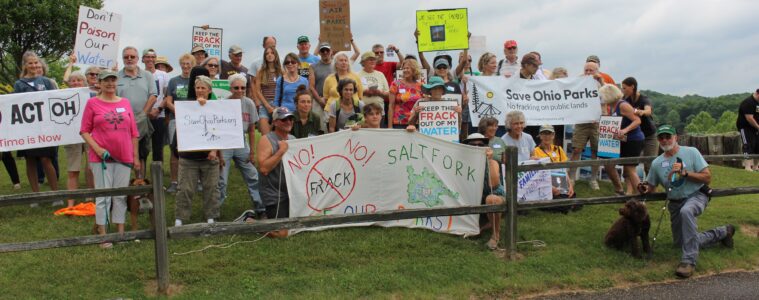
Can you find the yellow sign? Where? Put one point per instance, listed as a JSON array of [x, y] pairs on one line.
[[442, 29]]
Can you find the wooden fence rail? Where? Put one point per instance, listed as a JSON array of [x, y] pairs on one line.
[[161, 233]]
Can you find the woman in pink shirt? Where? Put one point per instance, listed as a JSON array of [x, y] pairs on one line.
[[109, 128]]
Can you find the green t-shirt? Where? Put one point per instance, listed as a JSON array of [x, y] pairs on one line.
[[693, 162]]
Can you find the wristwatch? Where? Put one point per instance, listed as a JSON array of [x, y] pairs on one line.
[[686, 174]]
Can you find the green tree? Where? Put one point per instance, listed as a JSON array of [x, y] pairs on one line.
[[702, 123], [46, 27], [726, 123]]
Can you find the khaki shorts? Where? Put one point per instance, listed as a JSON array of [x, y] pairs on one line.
[[584, 133], [74, 154]]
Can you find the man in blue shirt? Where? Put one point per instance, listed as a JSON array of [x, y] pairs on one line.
[[305, 56], [684, 174]]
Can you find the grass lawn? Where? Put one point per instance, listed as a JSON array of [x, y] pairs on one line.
[[360, 262]]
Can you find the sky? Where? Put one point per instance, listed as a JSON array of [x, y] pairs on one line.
[[678, 47]]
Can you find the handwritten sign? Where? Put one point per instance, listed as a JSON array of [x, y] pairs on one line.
[[215, 125], [41, 119], [210, 39], [571, 100], [97, 37], [608, 146], [373, 170], [534, 185], [442, 29], [335, 23], [438, 119]]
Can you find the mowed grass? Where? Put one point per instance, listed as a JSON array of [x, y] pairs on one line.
[[359, 262]]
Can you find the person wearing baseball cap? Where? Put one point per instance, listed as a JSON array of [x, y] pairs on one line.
[[597, 61], [234, 65], [199, 53], [685, 176], [510, 65], [548, 149], [271, 149], [305, 57], [319, 72]]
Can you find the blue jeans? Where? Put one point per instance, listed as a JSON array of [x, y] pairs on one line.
[[248, 171], [685, 231]]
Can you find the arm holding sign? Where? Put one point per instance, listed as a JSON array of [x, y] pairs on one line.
[[72, 61], [356, 52], [422, 59], [268, 160]]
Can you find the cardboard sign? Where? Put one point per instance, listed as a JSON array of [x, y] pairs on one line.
[[215, 125], [210, 39], [41, 119], [373, 170], [335, 24], [442, 29], [97, 37], [571, 100], [608, 146], [438, 119]]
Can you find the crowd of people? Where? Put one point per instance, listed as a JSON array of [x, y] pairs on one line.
[[302, 94]]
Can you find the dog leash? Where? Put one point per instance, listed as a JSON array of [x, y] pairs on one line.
[[664, 208]]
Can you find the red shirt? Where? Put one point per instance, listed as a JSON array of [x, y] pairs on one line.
[[388, 69]]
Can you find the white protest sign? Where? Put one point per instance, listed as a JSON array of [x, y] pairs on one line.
[[534, 185], [97, 37], [608, 146], [215, 125], [556, 102], [438, 119], [373, 170], [41, 119], [210, 39], [452, 97], [422, 75]]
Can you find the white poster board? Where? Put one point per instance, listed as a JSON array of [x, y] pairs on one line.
[[215, 125], [373, 170], [534, 185], [608, 146], [439, 119], [97, 37], [210, 39], [557, 102], [41, 119]]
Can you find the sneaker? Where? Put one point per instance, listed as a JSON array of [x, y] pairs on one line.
[[728, 240], [684, 270], [57, 203], [594, 185], [172, 188], [177, 223], [17, 186]]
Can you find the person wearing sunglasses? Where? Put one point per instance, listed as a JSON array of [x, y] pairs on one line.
[[685, 175], [178, 89], [492, 190], [140, 88], [510, 65], [238, 84], [271, 149], [287, 84], [212, 65]]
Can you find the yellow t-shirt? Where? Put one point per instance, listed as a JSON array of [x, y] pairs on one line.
[[556, 154], [330, 89]]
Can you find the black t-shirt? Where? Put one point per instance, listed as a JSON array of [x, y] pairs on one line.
[[748, 107], [646, 122]]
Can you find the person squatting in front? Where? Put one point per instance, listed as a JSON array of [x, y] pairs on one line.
[[685, 175]]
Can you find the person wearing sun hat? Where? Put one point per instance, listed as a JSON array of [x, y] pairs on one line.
[[685, 175], [492, 190], [434, 90], [162, 63], [199, 53]]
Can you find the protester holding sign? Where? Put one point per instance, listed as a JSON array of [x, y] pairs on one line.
[[342, 71], [629, 134], [265, 85], [31, 81], [199, 53], [346, 113], [443, 119], [556, 154], [177, 89], [403, 95], [110, 129], [203, 165], [492, 190], [271, 149]]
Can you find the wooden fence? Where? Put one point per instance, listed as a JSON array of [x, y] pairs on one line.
[[161, 233]]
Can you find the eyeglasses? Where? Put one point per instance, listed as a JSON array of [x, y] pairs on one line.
[[238, 88], [379, 52], [511, 48], [288, 119], [237, 55], [324, 50], [441, 67], [148, 56], [92, 74], [289, 62], [212, 65], [477, 144], [664, 136], [130, 56]]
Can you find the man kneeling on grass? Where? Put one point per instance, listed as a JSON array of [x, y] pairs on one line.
[[271, 148], [685, 175]]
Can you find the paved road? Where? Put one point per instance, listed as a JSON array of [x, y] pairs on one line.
[[733, 286]]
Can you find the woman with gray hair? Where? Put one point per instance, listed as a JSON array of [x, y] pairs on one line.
[[516, 137], [629, 134], [194, 165]]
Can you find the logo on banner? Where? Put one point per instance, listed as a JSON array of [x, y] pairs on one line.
[[63, 111], [483, 109]]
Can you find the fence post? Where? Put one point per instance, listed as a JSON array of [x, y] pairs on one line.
[[159, 218], [511, 201]]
